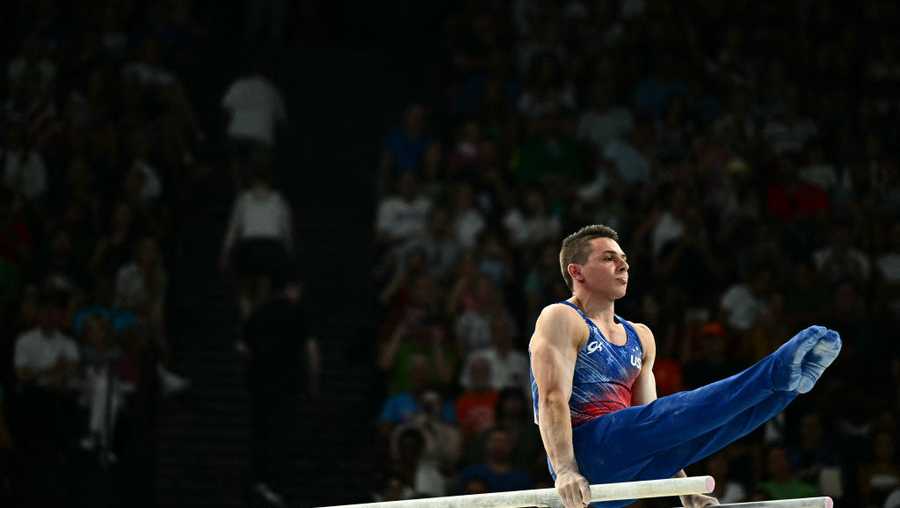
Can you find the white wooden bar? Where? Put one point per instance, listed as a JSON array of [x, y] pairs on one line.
[[803, 502], [549, 497]]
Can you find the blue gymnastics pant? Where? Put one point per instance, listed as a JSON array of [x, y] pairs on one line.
[[655, 440]]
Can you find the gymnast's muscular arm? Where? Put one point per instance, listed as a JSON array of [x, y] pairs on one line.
[[644, 391], [558, 335]]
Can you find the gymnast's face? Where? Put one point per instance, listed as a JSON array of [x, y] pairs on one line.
[[606, 270]]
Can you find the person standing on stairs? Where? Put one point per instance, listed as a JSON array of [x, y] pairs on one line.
[[259, 237], [282, 373]]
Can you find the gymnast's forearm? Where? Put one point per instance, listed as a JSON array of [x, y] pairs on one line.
[[555, 424]]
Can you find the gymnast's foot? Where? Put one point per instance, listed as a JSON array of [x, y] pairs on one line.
[[801, 360], [821, 355]]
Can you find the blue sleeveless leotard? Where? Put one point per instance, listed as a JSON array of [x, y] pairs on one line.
[[604, 373]]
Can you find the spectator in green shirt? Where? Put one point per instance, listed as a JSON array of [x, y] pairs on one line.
[[781, 482]]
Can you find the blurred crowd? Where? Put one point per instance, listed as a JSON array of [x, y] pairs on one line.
[[108, 144], [99, 143], [746, 154]]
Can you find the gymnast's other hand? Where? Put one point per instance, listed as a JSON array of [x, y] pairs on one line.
[[573, 488], [698, 501]]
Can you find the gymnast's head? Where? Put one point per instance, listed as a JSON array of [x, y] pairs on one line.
[[591, 261]]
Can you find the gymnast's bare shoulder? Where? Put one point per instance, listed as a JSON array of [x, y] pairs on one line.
[[561, 325], [648, 342]]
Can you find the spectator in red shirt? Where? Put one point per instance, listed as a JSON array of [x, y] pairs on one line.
[[475, 408], [789, 199]]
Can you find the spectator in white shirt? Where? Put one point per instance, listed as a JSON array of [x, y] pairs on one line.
[[533, 223], [509, 367], [44, 357], [404, 214], [480, 305], [141, 283], [670, 224], [437, 242], [255, 107], [260, 213], [259, 239], [152, 185], [744, 303], [46, 366], [604, 121], [841, 261], [24, 171], [148, 69], [630, 163], [468, 221], [787, 133]]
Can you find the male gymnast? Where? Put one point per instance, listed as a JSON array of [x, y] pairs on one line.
[[595, 396]]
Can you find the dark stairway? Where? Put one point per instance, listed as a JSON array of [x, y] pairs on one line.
[[340, 103], [203, 432], [203, 457]]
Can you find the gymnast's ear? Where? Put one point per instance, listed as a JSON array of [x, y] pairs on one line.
[[574, 271]]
